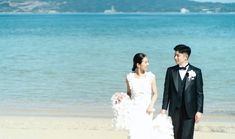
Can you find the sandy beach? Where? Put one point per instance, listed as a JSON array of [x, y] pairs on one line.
[[21, 127]]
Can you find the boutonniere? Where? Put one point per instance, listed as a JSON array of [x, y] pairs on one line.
[[191, 75]]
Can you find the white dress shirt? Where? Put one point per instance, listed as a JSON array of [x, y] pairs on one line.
[[183, 72]]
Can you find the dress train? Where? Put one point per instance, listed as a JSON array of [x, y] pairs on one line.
[[159, 127]]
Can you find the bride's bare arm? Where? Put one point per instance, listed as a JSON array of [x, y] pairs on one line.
[[128, 88], [153, 97]]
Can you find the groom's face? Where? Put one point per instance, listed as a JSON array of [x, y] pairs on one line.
[[180, 58]]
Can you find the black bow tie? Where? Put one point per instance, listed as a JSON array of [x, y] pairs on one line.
[[183, 68]]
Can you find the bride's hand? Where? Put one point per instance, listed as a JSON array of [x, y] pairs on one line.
[[150, 110], [163, 112]]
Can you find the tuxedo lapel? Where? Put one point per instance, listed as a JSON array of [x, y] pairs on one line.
[[175, 78]]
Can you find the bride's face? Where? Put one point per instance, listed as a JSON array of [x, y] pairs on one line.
[[144, 65]]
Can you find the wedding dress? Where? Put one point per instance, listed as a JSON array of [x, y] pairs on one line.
[[130, 113]]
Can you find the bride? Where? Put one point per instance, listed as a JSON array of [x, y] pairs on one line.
[[134, 111]]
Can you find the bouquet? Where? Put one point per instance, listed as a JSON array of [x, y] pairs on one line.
[[120, 106], [119, 97]]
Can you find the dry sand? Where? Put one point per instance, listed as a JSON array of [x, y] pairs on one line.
[[19, 127]]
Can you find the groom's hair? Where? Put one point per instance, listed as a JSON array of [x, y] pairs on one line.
[[182, 48]]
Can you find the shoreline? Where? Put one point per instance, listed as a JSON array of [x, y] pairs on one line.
[[97, 112], [207, 117], [38, 127]]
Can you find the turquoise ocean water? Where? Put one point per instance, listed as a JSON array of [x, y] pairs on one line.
[[71, 64]]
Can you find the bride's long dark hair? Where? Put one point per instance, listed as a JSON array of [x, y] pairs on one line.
[[137, 59]]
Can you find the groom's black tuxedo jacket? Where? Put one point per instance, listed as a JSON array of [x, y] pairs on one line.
[[193, 91]]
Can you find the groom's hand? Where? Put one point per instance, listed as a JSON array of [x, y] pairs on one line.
[[163, 111], [198, 117]]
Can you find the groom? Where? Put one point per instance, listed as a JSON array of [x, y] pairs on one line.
[[183, 92]]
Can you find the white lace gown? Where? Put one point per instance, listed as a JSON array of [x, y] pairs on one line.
[[140, 122], [131, 113]]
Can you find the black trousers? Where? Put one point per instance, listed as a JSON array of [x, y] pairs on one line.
[[183, 125]]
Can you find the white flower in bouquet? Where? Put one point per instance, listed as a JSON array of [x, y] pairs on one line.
[[118, 97]]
